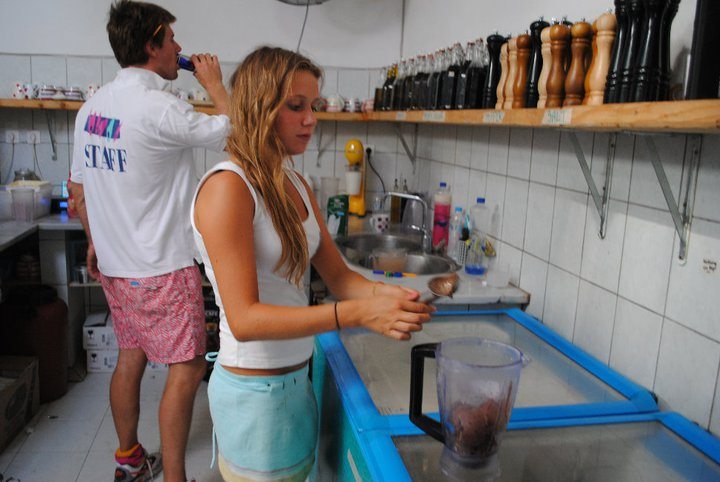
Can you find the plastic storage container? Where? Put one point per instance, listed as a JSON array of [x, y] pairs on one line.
[[42, 191]]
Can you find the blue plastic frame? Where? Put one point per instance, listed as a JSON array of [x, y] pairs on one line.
[[364, 415], [385, 462]]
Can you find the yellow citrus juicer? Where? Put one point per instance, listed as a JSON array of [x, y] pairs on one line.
[[355, 154]]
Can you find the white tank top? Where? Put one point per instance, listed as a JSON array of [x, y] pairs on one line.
[[273, 288]]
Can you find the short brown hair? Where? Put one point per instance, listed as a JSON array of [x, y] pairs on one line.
[[131, 25]]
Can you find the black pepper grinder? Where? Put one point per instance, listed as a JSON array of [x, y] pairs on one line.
[[494, 43], [635, 17], [646, 80], [663, 88], [536, 62], [612, 86]]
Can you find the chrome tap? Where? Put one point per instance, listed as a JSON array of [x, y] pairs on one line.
[[424, 229]]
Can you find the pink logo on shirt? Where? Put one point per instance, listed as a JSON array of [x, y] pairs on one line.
[[103, 126]]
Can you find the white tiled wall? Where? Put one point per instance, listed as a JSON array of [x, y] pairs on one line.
[[626, 298]]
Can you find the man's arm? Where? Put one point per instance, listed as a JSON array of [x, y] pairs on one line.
[[79, 196], [208, 73]]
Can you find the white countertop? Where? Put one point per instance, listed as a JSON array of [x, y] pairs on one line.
[[471, 289], [13, 231]]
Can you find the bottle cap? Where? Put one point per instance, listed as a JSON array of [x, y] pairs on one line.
[[480, 200], [458, 209], [443, 184]]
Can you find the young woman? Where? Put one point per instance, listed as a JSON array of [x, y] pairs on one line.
[[258, 228]]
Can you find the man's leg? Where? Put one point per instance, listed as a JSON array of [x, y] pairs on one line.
[[176, 409], [125, 395]]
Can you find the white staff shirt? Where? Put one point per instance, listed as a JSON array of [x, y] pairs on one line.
[[133, 154]]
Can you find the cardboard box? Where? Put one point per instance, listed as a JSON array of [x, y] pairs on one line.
[[19, 395], [99, 361], [98, 332]]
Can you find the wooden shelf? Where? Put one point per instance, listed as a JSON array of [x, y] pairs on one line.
[[688, 116]]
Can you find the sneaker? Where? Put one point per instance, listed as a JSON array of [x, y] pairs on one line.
[[150, 467]]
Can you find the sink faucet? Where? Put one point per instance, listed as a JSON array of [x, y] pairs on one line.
[[426, 237]]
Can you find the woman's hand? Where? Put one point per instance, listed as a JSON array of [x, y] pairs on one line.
[[382, 289], [392, 316]]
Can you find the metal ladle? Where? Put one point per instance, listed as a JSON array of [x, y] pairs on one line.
[[440, 287]]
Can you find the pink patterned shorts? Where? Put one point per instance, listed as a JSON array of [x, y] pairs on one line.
[[162, 315]]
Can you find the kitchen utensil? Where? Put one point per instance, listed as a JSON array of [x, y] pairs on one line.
[[439, 287], [477, 381]]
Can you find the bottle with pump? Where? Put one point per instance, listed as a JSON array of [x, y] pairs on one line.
[[442, 200], [456, 225]]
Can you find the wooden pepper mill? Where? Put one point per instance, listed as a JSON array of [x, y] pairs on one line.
[[604, 28], [512, 73], [581, 33], [559, 37], [504, 67], [547, 65], [524, 45]]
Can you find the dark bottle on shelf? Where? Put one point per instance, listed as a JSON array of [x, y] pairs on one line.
[[448, 79], [378, 99], [635, 16], [663, 87], [408, 84], [398, 85], [646, 80], [478, 72], [462, 78], [435, 80], [388, 88], [536, 63], [420, 84], [617, 59], [489, 95]]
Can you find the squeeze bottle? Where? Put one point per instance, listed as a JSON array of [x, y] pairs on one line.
[[442, 199]]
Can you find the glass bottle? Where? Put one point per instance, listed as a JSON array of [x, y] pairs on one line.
[[462, 77], [411, 70], [398, 86], [378, 99], [448, 78], [420, 84], [388, 88], [434, 80]]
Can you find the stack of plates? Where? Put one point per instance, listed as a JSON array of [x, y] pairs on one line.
[[73, 93]]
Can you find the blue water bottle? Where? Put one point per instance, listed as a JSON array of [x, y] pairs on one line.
[[184, 62]]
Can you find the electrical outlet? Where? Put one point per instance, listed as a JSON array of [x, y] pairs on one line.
[[12, 136], [370, 146], [33, 137]]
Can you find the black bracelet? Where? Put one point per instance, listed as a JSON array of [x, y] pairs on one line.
[[337, 323]]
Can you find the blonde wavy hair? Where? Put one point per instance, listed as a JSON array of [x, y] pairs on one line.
[[260, 87]]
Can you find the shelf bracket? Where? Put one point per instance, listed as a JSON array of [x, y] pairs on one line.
[[50, 117], [682, 220], [602, 203], [412, 154]]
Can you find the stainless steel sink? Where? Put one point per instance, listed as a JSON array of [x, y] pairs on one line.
[[358, 250]]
